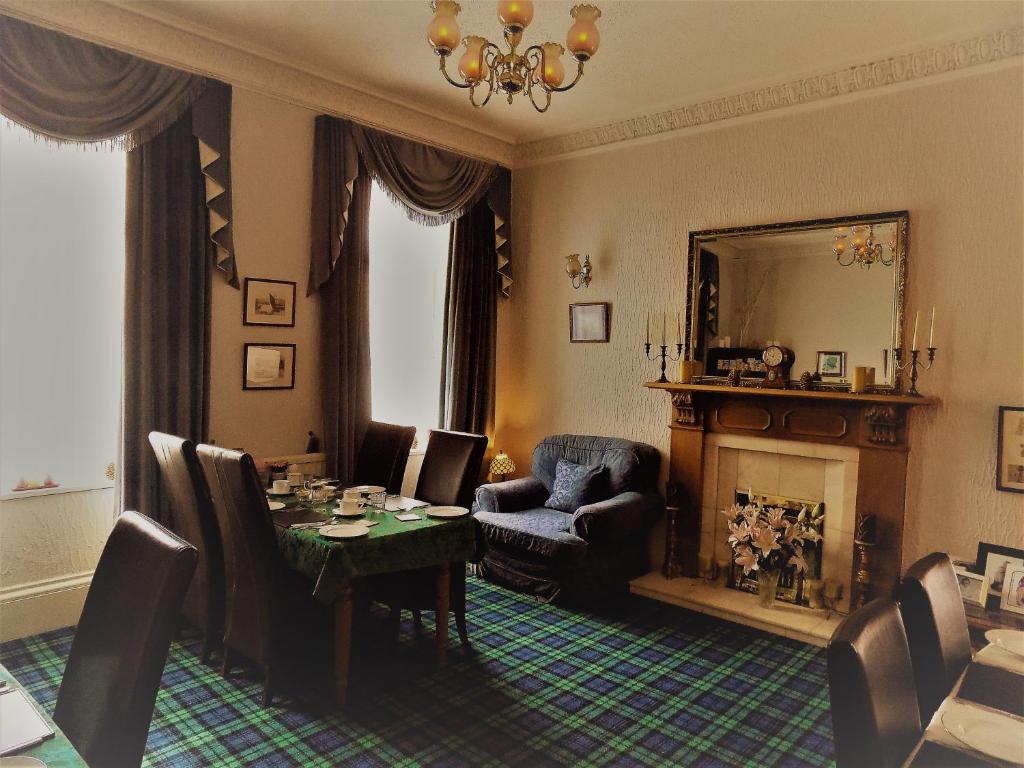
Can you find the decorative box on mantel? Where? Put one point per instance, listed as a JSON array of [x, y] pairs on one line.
[[869, 430]]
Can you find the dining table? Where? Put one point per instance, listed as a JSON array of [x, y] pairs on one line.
[[56, 751], [390, 546], [989, 693]]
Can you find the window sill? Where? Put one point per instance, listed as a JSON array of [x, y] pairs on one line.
[[52, 491]]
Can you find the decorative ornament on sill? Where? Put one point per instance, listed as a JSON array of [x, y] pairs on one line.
[[864, 250], [579, 274], [538, 71]]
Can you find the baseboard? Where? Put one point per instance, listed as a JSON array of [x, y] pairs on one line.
[[41, 606]]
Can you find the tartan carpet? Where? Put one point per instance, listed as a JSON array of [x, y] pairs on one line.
[[636, 683]]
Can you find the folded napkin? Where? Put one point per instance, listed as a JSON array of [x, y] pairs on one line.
[[995, 656], [936, 732]]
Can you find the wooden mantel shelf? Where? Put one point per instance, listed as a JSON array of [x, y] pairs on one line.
[[717, 389]]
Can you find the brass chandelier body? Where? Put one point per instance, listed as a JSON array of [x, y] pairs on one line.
[[537, 71], [864, 251]]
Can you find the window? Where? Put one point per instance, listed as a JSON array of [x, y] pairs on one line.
[[61, 310], [408, 273]]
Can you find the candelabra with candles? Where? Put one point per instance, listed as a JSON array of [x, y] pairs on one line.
[[664, 355], [915, 364]]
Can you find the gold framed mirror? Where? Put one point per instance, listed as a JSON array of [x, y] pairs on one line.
[[829, 292]]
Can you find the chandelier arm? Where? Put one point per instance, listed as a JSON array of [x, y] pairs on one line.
[[448, 78], [490, 90], [850, 263], [563, 88], [547, 97]]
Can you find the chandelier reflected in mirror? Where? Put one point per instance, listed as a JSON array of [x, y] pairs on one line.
[[863, 250], [537, 71]]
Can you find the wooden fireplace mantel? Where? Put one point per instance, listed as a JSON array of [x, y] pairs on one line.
[[875, 424]]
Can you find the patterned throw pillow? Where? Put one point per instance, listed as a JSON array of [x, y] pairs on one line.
[[575, 485]]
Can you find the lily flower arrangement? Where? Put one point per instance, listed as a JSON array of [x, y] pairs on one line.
[[766, 539]]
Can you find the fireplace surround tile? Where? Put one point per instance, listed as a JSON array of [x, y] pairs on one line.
[[801, 477]]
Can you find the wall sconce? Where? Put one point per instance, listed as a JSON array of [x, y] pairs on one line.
[[579, 274]]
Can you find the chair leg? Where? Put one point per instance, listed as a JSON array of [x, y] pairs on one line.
[[417, 619], [268, 688], [460, 622], [394, 623], [225, 664], [207, 651]]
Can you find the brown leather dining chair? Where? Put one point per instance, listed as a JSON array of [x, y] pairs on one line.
[[875, 719], [448, 476], [933, 613], [384, 455], [270, 615], [108, 691], [194, 520]]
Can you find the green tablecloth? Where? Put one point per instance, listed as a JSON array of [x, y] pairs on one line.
[[56, 752], [392, 546]]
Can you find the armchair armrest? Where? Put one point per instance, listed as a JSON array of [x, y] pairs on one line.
[[622, 517], [510, 496]]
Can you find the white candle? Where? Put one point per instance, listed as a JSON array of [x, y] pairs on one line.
[[664, 325], [679, 326], [648, 337], [931, 330], [913, 344]]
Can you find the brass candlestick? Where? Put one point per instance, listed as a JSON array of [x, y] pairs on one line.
[[863, 572], [913, 365], [664, 356]]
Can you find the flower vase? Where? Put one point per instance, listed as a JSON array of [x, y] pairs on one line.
[[767, 586]]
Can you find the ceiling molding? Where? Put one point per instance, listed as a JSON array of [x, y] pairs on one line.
[[925, 63], [159, 40]]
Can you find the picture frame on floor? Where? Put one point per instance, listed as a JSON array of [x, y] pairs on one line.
[[1010, 449], [268, 366], [588, 323], [269, 302]]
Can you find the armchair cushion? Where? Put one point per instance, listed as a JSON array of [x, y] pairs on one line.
[[535, 533], [510, 495], [620, 518], [576, 485]]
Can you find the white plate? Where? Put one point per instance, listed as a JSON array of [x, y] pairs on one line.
[[1011, 640], [989, 733], [447, 512], [348, 531], [275, 505], [367, 488]]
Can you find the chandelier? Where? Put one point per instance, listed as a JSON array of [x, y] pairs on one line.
[[864, 251], [538, 71]]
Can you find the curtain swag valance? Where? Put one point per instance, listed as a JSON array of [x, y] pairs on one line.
[[433, 185], [67, 90]]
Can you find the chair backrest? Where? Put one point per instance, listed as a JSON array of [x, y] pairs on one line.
[[252, 560], [933, 613], [194, 520], [117, 657], [631, 466], [384, 455], [451, 468], [875, 719]]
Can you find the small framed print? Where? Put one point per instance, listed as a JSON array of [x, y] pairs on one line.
[[997, 568], [1012, 598], [268, 366], [970, 587], [588, 322], [1010, 449], [832, 365], [269, 302]]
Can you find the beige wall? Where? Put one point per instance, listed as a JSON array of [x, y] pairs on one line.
[[949, 151], [272, 178]]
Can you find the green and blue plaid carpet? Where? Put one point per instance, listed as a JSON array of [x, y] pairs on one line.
[[640, 683]]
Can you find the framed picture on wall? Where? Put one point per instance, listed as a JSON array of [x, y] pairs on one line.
[[588, 322], [269, 302], [1010, 449], [832, 364], [268, 366]]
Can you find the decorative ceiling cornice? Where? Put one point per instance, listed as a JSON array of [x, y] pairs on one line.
[[924, 63], [122, 27]]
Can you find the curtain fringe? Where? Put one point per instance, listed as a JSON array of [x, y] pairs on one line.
[[426, 219]]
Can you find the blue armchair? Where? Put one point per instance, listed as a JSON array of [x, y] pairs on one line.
[[599, 546]]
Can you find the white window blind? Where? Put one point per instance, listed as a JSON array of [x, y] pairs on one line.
[[61, 310], [408, 273]]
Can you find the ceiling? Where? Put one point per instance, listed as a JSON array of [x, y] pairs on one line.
[[653, 55]]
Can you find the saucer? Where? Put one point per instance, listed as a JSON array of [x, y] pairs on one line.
[[275, 505], [275, 493], [367, 488], [337, 512]]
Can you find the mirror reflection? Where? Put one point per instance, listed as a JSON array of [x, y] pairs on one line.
[[827, 295]]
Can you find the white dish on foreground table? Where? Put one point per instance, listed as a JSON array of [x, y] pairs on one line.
[[1010, 640], [348, 531], [446, 512], [989, 732], [275, 505]]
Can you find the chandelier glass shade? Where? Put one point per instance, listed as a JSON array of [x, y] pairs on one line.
[[538, 71], [863, 250]]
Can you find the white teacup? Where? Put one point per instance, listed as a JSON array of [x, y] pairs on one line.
[[352, 493], [295, 478], [281, 486], [351, 506]]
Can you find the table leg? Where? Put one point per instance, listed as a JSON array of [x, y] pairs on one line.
[[441, 613], [342, 645]]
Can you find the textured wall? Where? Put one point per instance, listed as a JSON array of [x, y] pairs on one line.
[[949, 151]]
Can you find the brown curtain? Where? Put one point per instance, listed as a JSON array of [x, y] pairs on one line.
[[470, 325], [167, 309]]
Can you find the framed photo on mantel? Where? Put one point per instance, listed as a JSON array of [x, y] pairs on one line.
[[1010, 449]]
